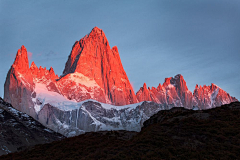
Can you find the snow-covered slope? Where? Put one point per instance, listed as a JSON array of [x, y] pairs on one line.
[[73, 118]]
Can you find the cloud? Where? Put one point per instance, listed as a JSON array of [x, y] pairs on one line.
[[51, 53], [29, 55], [39, 54]]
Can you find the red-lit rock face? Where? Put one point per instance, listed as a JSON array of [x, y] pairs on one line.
[[21, 63], [93, 71], [174, 92], [146, 94], [93, 57], [211, 96], [19, 83]]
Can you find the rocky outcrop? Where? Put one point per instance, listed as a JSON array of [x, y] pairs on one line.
[[211, 96], [19, 84], [146, 94], [94, 59], [174, 92]]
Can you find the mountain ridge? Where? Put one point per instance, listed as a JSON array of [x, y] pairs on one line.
[[175, 91], [94, 71]]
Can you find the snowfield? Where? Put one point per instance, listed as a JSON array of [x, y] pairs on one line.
[[72, 118]]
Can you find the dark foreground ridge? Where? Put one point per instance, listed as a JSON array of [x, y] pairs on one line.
[[171, 134], [19, 131]]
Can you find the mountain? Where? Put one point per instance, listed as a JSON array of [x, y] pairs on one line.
[[211, 96], [19, 131], [94, 92], [46, 97], [92, 60], [174, 91], [177, 133]]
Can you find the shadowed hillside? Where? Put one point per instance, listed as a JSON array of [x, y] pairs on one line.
[[19, 131], [172, 134]]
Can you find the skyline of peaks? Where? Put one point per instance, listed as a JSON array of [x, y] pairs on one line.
[[94, 93], [92, 59]]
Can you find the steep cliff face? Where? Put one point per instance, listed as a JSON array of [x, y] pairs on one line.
[[146, 94], [91, 116], [93, 58], [174, 91], [211, 96], [19, 84]]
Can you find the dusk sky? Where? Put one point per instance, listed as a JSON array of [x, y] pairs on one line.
[[156, 39]]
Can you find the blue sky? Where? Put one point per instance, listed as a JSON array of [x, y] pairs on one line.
[[155, 39]]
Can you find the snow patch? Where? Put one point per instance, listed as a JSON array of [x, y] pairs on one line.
[[44, 96], [170, 86], [129, 107], [5, 148], [79, 78], [124, 80], [48, 130], [23, 80], [195, 108], [64, 125], [95, 121], [213, 96]]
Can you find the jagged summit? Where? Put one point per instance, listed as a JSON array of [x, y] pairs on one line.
[[167, 81], [196, 86], [97, 31], [211, 96], [21, 60], [33, 65], [201, 86], [144, 85], [174, 91], [94, 71], [115, 49], [178, 76], [93, 45], [92, 57]]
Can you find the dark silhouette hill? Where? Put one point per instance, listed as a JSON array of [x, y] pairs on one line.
[[19, 131], [170, 134]]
